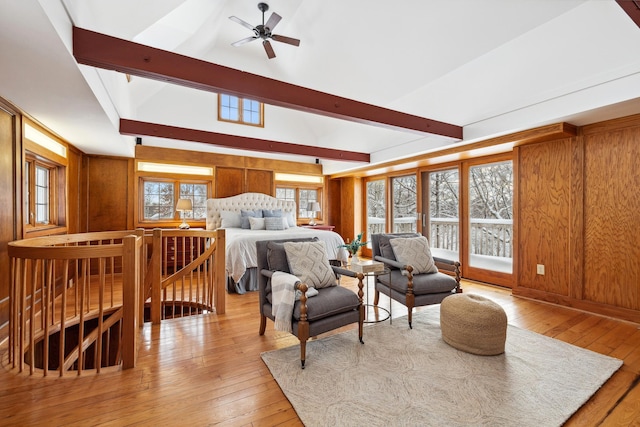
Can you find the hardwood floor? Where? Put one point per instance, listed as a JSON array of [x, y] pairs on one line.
[[206, 370]]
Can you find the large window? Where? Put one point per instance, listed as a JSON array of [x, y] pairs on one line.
[[39, 189], [160, 197], [491, 216], [303, 197], [240, 110]]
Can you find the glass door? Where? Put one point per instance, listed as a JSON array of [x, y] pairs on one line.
[[443, 229], [404, 204], [490, 228], [376, 208]]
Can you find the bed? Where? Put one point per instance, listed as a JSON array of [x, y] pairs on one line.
[[232, 213]]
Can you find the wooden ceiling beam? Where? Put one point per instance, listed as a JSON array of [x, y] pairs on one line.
[[137, 128], [102, 51], [632, 8]]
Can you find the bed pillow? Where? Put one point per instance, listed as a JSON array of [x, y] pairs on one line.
[[246, 214], [274, 223], [308, 261], [266, 213], [291, 221], [230, 219], [415, 252], [256, 223]]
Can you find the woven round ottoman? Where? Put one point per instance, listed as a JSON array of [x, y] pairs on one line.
[[474, 324]]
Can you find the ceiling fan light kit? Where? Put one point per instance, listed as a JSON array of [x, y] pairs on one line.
[[264, 32]]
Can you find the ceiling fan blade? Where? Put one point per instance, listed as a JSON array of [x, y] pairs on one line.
[[273, 21], [285, 39], [267, 48], [243, 41], [243, 23]]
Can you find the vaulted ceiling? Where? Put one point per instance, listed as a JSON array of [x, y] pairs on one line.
[[485, 67]]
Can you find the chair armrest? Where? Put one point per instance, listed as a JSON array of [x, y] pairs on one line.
[[266, 273], [391, 262], [344, 271]]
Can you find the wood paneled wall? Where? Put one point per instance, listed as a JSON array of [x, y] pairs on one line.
[[8, 215], [579, 214], [108, 192]]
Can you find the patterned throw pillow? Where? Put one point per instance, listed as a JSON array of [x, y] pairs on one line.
[[274, 223], [415, 252], [308, 261]]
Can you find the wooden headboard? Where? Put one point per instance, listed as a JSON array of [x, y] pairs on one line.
[[247, 201]]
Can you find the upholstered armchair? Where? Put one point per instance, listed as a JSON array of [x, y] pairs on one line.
[[321, 304], [416, 277]]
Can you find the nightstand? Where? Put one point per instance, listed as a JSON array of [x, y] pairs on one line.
[[320, 227]]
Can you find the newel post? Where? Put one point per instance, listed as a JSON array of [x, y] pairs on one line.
[[130, 299], [220, 272], [156, 277]]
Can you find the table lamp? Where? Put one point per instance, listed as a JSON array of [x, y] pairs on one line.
[[313, 208], [184, 205]]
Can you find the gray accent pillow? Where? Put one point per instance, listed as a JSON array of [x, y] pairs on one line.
[[230, 219], [246, 214], [414, 251], [277, 257], [274, 223], [308, 261], [271, 212]]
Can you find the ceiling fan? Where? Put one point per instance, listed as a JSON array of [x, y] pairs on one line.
[[264, 31]]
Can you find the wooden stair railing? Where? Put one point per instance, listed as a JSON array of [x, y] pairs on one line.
[[75, 292], [194, 281], [61, 284]]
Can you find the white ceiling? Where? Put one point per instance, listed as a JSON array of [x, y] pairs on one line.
[[490, 66]]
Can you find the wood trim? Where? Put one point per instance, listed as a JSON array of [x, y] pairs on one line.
[[137, 128], [611, 125], [458, 152], [169, 155], [102, 51]]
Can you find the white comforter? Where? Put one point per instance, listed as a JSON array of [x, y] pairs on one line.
[[241, 246]]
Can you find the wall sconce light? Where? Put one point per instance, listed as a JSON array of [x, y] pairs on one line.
[[314, 207], [181, 206]]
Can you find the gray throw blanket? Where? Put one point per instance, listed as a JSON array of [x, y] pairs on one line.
[[283, 296], [283, 285]]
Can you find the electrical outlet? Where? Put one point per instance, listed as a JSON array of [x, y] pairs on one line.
[[540, 269]]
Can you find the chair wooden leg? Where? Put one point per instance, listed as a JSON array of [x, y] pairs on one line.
[[376, 297], [303, 353], [263, 324], [411, 301]]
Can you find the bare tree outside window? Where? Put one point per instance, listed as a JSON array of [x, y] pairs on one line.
[[376, 207], [404, 198]]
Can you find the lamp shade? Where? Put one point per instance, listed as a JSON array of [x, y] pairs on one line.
[[314, 207], [184, 205]]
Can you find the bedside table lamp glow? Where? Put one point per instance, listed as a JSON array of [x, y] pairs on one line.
[[184, 205]]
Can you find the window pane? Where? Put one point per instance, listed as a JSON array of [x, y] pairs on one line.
[[27, 193], [444, 237], [404, 204], [306, 198], [491, 216], [251, 111], [158, 200], [198, 195], [376, 207], [42, 195], [229, 107]]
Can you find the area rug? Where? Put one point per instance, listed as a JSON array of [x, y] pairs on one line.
[[411, 377]]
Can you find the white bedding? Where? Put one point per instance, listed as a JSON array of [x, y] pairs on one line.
[[241, 246]]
